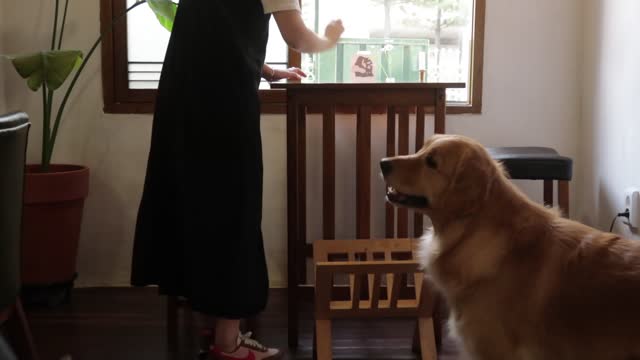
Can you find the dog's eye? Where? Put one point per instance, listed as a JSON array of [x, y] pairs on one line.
[[431, 162]]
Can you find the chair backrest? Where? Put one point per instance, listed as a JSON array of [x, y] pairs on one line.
[[398, 130], [396, 103], [14, 130], [377, 272]]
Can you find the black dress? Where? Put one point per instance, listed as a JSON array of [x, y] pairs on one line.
[[198, 231]]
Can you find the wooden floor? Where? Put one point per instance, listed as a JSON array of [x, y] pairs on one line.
[[129, 324]]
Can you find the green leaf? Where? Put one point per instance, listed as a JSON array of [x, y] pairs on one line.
[[60, 65], [165, 11], [52, 67], [29, 67], [35, 81]]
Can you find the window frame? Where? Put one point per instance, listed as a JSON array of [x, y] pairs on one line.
[[119, 99]]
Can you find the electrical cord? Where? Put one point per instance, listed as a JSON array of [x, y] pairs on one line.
[[622, 214]]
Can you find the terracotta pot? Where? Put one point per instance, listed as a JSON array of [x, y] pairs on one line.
[[53, 207]]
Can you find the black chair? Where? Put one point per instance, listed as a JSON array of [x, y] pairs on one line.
[[538, 163], [5, 352], [14, 131]]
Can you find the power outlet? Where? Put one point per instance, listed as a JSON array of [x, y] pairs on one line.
[[632, 202]]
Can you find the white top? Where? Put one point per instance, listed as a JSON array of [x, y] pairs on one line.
[[271, 6]]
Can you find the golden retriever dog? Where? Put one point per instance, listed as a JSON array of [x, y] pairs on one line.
[[521, 281]]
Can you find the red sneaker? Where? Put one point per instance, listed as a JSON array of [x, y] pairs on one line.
[[247, 349]]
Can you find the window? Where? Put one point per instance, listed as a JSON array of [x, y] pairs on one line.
[[445, 36]]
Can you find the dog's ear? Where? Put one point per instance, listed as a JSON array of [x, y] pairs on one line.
[[471, 182]]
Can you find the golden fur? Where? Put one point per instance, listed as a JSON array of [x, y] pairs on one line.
[[521, 281]]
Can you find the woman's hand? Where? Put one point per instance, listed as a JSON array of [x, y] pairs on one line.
[[292, 73], [334, 30], [289, 74], [302, 39]]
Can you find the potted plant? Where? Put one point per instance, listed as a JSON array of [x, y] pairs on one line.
[[55, 193]]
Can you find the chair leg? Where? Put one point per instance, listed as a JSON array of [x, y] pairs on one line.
[[415, 346], [323, 339], [314, 347], [548, 192], [427, 339], [563, 197], [292, 315], [172, 325], [438, 324], [20, 334]]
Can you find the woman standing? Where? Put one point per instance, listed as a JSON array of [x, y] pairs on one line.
[[198, 232]]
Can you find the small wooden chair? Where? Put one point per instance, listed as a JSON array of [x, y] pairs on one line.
[[367, 263]]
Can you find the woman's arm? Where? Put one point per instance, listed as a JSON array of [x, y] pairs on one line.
[[300, 38], [268, 73]]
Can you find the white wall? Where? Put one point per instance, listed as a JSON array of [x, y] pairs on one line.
[[610, 128], [531, 96]]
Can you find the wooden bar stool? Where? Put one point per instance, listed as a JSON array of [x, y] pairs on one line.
[[538, 163], [376, 287], [401, 101]]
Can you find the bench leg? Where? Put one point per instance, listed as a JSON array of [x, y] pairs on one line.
[[427, 339], [563, 197], [548, 192], [323, 339]]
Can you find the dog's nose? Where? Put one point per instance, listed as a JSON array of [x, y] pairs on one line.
[[385, 166]]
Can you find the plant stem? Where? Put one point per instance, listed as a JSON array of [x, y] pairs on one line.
[[56, 124], [45, 134], [47, 129], [55, 26], [64, 21]]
